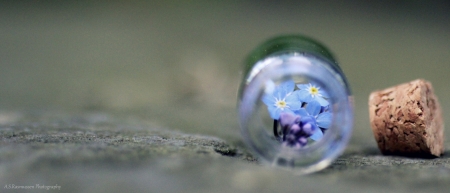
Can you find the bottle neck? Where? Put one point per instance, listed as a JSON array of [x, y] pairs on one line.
[[290, 44]]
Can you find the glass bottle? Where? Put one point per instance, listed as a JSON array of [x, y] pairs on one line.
[[295, 105]]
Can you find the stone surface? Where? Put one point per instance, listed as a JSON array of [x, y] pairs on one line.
[[406, 119], [100, 152], [101, 138]]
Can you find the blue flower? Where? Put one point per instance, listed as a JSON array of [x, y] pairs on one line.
[[310, 92], [313, 114], [282, 99]]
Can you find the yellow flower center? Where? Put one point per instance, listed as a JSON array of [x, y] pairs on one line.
[[313, 91], [281, 104]]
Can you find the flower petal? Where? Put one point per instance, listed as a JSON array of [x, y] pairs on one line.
[[324, 120], [313, 108], [324, 94], [303, 86], [302, 112], [284, 88], [317, 135], [274, 112], [288, 85], [293, 102], [288, 110], [269, 100], [309, 119], [304, 96], [322, 101]]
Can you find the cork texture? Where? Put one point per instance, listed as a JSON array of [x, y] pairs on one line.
[[407, 120]]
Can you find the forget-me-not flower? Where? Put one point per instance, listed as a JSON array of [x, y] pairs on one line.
[[310, 92], [282, 99]]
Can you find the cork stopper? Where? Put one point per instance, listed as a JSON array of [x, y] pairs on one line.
[[406, 120]]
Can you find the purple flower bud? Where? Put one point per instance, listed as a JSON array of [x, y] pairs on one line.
[[307, 129], [291, 139], [287, 119], [302, 141], [295, 128]]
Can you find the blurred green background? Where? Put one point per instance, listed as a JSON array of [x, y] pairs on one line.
[[178, 63]]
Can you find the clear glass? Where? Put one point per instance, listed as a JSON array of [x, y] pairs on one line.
[[295, 107]]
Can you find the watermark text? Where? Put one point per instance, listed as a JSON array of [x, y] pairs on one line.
[[29, 187]]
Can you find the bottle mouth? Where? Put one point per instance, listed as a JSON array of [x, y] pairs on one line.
[[295, 112]]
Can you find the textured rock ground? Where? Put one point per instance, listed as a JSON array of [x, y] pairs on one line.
[[97, 152]]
